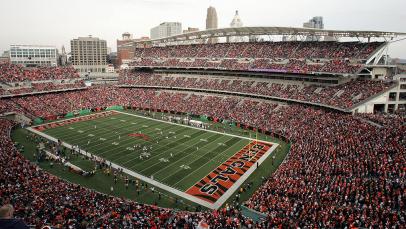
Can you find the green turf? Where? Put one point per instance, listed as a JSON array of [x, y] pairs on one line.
[[199, 150], [202, 161]]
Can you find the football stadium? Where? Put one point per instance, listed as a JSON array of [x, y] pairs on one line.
[[240, 127]]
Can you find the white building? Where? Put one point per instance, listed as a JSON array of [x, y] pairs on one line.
[[166, 29], [89, 54], [236, 23], [33, 55]]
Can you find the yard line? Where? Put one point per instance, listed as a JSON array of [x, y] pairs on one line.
[[198, 158], [98, 130], [103, 132], [179, 152], [157, 155], [108, 146], [192, 127], [182, 158], [195, 170], [124, 145], [84, 126]]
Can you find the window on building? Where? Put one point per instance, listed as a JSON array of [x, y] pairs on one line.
[[402, 96], [392, 96]]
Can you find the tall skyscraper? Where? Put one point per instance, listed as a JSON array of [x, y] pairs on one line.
[[166, 29], [211, 19], [89, 54], [211, 22], [63, 57]]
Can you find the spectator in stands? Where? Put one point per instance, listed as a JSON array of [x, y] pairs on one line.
[[7, 221]]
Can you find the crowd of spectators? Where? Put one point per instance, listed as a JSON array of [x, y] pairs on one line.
[[385, 119], [42, 87], [343, 96], [43, 199], [11, 73], [297, 57], [15, 80], [341, 171], [272, 50]]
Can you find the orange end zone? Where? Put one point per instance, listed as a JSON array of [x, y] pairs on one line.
[[214, 185]]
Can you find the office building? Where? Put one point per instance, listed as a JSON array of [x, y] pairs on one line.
[[63, 57], [5, 58], [211, 22], [33, 55], [211, 19], [89, 54], [314, 23], [166, 29], [126, 47]]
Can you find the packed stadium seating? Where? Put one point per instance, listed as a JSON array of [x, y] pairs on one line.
[[343, 96], [17, 80], [340, 172], [290, 57]]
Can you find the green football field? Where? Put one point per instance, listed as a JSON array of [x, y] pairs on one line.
[[175, 155]]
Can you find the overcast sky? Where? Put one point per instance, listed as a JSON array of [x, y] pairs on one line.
[[56, 22]]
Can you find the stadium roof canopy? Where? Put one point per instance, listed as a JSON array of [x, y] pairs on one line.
[[271, 31]]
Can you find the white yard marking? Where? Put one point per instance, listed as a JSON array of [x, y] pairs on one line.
[[71, 128], [90, 135], [80, 131], [186, 136], [130, 148], [115, 143], [192, 127], [134, 123], [102, 139], [122, 120], [203, 140]]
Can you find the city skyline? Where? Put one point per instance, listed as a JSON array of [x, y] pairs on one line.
[[108, 20]]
